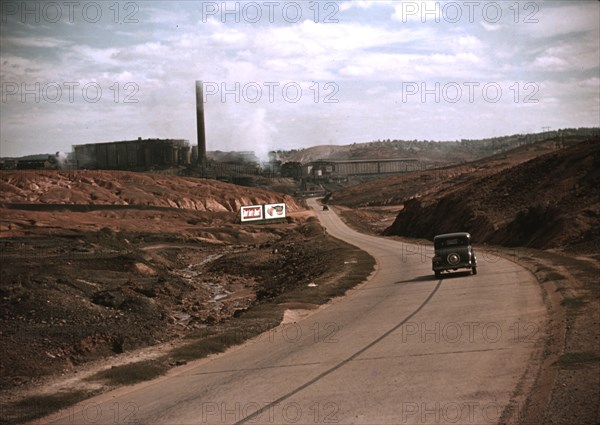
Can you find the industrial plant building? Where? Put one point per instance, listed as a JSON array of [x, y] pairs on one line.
[[146, 154], [341, 169], [140, 154]]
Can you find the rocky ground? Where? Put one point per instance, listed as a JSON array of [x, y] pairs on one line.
[[100, 263], [68, 300]]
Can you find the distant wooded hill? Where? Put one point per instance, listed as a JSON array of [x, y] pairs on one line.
[[450, 152]]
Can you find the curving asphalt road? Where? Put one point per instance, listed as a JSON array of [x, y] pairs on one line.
[[403, 348]]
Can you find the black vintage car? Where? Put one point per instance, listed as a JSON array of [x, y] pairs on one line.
[[453, 251]]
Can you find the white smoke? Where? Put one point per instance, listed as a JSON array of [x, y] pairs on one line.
[[61, 159], [258, 134]]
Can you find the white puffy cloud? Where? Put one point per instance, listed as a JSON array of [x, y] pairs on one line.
[[363, 4]]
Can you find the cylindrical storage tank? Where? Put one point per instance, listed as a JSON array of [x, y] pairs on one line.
[[186, 155]]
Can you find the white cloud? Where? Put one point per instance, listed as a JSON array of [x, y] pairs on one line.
[[567, 56], [561, 18], [590, 83], [45, 42], [363, 4], [468, 42], [311, 38], [357, 71], [228, 37], [376, 90], [550, 63], [491, 27]]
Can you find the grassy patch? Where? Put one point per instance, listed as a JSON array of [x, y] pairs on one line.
[[543, 269], [198, 349], [131, 373], [574, 359], [40, 406], [573, 302], [219, 338], [553, 276], [353, 267]]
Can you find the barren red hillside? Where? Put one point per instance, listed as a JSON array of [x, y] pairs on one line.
[[128, 188], [395, 190], [552, 201]]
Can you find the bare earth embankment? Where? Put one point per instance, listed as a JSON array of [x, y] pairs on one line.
[[551, 201], [538, 205], [140, 273]]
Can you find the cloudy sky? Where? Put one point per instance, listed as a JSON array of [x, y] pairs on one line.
[[284, 74]]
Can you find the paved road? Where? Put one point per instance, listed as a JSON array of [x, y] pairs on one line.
[[403, 348]]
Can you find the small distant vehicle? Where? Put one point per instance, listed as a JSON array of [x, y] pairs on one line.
[[325, 208], [453, 251]]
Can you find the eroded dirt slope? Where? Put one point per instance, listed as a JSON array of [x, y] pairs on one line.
[[128, 188], [542, 195], [99, 263], [395, 190], [552, 201]]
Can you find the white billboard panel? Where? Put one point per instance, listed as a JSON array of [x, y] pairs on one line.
[[274, 211], [251, 213]]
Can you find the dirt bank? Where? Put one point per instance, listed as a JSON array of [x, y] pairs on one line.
[[552, 201]]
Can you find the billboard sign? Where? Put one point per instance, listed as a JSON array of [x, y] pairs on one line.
[[274, 211], [251, 213]]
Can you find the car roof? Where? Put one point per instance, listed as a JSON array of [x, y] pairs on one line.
[[453, 235]]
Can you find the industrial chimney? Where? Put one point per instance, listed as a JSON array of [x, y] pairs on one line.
[[200, 123]]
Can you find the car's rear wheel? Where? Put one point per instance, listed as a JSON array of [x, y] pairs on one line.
[[474, 270]]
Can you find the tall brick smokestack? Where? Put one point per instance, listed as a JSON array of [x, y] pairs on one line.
[[201, 134]]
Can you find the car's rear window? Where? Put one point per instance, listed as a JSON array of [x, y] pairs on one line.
[[443, 243]]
